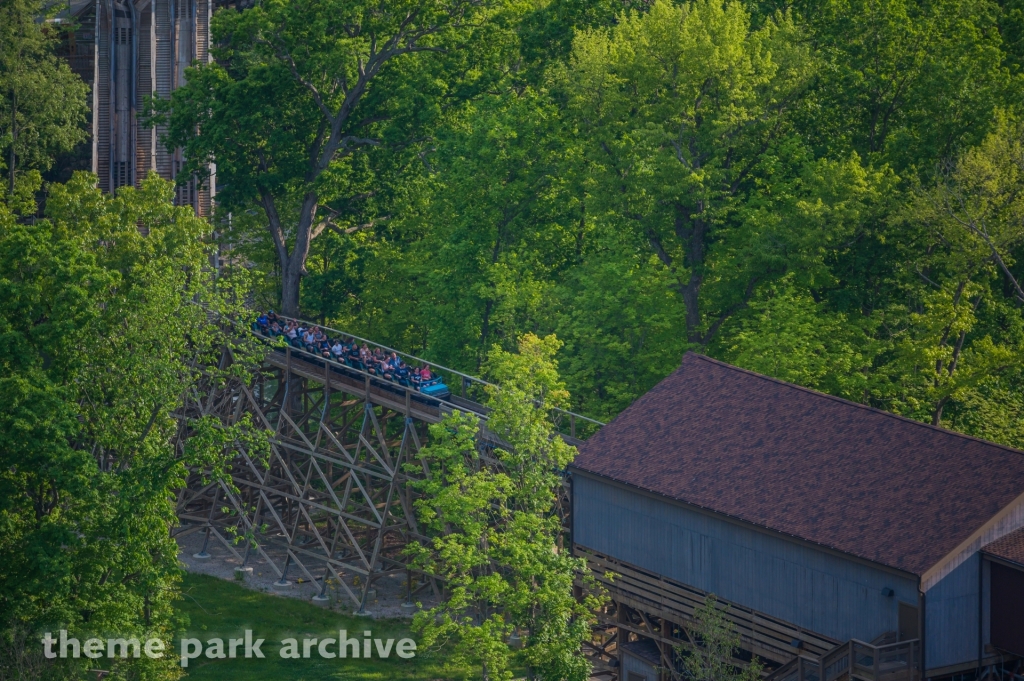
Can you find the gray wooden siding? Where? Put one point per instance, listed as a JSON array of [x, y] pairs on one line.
[[813, 589], [951, 612]]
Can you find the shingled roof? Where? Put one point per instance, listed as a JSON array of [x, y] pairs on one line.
[[813, 466], [1010, 547]]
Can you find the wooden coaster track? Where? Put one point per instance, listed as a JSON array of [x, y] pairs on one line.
[[333, 499]]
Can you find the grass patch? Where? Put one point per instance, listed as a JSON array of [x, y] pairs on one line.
[[220, 609]]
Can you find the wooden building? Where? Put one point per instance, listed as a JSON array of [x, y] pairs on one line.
[[846, 541], [128, 51]]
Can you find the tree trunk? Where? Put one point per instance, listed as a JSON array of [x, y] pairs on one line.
[[291, 278], [295, 264], [292, 264], [14, 141], [485, 326], [937, 412], [691, 300], [691, 232]]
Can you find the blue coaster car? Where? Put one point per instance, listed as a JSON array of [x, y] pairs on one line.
[[438, 390]]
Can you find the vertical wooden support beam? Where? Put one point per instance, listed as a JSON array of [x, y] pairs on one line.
[[335, 499], [621, 634]]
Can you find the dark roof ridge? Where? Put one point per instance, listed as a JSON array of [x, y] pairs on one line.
[[841, 400]]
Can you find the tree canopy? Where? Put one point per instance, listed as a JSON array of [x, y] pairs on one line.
[[105, 333], [42, 103], [829, 192], [798, 189], [306, 102], [496, 534]]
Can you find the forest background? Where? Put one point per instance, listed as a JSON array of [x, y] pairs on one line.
[[825, 192], [830, 192]]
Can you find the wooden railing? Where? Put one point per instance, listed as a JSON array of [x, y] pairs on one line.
[[866, 662], [817, 658], [768, 637], [802, 668]]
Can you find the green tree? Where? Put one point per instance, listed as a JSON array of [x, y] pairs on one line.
[[907, 82], [496, 536], [789, 335], [689, 115], [497, 222], [1011, 28], [620, 317], [106, 333], [941, 341], [718, 642], [300, 97], [42, 103], [967, 327]]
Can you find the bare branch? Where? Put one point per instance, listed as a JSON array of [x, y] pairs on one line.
[[999, 260], [925, 277], [679, 153], [358, 140], [345, 231], [971, 224], [308, 85]]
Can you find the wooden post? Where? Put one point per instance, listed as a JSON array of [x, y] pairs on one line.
[[342, 524], [325, 417], [621, 634], [289, 399]]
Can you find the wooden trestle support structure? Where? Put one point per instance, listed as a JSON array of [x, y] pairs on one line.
[[333, 499]]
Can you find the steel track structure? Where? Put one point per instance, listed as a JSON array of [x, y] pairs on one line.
[[333, 498]]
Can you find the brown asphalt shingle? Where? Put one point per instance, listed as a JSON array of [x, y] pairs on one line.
[[833, 472], [1010, 547]]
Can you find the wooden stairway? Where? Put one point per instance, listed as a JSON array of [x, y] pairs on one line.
[[880, 660]]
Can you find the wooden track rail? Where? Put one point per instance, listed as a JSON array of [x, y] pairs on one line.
[[333, 499]]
